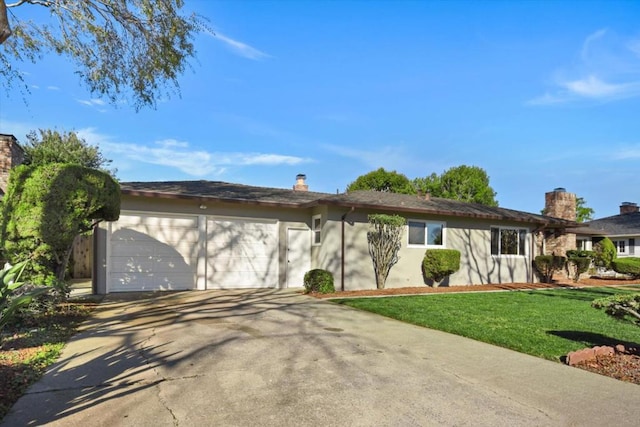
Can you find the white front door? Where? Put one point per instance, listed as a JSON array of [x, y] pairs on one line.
[[298, 256]]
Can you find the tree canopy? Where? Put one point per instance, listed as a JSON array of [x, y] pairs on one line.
[[54, 147], [47, 206], [383, 180], [583, 212], [464, 183], [122, 49]]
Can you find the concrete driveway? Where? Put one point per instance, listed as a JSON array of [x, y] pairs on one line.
[[276, 358]]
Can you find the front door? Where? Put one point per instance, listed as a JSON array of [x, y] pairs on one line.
[[298, 256]]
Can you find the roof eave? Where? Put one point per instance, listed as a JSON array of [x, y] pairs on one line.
[[205, 198]]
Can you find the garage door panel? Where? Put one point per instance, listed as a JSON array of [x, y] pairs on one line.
[[153, 252], [242, 253]]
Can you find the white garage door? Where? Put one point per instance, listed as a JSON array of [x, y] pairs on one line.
[[242, 254], [153, 252]]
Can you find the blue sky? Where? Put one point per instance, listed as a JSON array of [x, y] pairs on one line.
[[540, 94]]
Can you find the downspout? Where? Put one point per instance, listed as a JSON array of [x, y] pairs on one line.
[[344, 217]]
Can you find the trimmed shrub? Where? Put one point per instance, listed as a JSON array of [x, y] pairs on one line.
[[625, 307], [630, 266], [577, 253], [440, 263], [576, 265], [319, 280], [546, 265], [604, 252]]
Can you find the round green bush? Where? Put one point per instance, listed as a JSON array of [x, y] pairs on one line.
[[319, 280]]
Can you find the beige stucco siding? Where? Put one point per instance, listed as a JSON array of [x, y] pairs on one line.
[[471, 238]]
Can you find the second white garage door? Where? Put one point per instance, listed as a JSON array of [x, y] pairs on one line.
[[242, 254]]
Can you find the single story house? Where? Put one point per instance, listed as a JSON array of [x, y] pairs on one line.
[[623, 230], [208, 235]]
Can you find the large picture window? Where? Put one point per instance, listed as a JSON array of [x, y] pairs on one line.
[[508, 241], [424, 233]]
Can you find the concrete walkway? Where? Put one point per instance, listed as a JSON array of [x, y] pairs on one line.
[[276, 358]]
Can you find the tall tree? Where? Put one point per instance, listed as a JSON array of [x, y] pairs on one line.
[[382, 180], [464, 183], [122, 48], [51, 146], [583, 212]]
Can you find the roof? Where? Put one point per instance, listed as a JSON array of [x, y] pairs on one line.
[[238, 193], [221, 191], [617, 225], [436, 206]]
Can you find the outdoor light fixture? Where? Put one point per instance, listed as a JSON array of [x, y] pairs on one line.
[[203, 206]]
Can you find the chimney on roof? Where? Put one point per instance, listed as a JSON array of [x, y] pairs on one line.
[[11, 155], [423, 195], [559, 203], [628, 207], [300, 183]]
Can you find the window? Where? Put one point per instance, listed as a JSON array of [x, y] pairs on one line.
[[581, 244], [422, 233], [620, 246], [508, 241], [316, 229], [632, 246]]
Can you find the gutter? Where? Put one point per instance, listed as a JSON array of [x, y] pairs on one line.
[[344, 217]]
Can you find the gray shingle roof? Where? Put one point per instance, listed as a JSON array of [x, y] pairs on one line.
[[238, 193], [625, 224], [436, 206], [222, 191]]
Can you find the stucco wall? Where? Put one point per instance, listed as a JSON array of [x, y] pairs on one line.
[[471, 238]]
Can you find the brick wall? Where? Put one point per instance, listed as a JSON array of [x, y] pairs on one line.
[[11, 154]]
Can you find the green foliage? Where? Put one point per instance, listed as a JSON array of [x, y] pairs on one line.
[[627, 265], [621, 307], [46, 207], [583, 212], [464, 183], [121, 49], [573, 253], [384, 239], [546, 265], [382, 180], [440, 263], [604, 252], [11, 296], [541, 323], [55, 147], [318, 280], [577, 265]]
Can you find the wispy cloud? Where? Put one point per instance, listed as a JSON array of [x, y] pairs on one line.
[[627, 153], [608, 70], [178, 155], [393, 157], [98, 104], [239, 48]]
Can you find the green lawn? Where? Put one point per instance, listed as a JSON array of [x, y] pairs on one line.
[[544, 323]]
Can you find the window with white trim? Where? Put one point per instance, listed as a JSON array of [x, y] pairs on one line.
[[425, 233], [632, 246], [316, 229], [508, 241], [620, 246]]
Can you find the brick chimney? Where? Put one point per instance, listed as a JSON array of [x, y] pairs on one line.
[[560, 204], [300, 183], [11, 155], [628, 207]]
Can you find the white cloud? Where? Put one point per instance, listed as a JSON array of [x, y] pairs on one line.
[[593, 87], [240, 48], [608, 70], [53, 88], [177, 154], [627, 153], [91, 102], [393, 157]]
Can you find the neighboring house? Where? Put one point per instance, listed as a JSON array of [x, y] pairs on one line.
[[11, 154], [208, 235], [622, 229]]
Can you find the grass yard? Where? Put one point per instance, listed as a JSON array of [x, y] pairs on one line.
[[542, 323]]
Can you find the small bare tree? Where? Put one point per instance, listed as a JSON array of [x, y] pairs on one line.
[[384, 237]]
